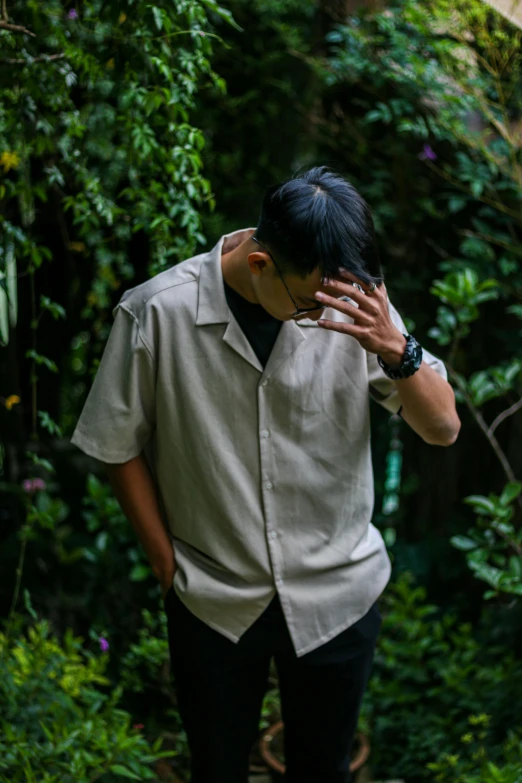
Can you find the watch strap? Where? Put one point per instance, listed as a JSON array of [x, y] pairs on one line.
[[411, 360]]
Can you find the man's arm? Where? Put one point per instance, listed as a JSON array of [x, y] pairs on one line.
[[428, 406], [428, 401], [134, 489]]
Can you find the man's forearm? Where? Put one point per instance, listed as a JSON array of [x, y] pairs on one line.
[[134, 489], [428, 406], [428, 401]]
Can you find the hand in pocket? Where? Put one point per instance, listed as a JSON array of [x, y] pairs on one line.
[[167, 582]]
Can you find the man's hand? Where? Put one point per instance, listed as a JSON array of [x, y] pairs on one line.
[[166, 581], [373, 326], [135, 490], [164, 568], [427, 399]]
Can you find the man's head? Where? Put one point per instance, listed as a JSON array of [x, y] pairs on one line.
[[310, 226]]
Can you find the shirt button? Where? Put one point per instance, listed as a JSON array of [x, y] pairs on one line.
[[264, 383], [279, 582], [265, 434], [272, 534], [269, 485]]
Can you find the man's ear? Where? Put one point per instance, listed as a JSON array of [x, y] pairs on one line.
[[258, 261]]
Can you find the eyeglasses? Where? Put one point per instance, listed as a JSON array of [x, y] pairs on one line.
[[297, 309]]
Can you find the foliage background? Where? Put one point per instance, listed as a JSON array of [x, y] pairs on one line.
[[133, 135]]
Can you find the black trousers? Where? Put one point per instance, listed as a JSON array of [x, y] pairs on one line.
[[220, 687]]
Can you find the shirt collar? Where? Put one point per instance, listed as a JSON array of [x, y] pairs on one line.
[[212, 303], [213, 309]]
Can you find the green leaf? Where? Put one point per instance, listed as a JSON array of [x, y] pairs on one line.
[[515, 566], [126, 773], [481, 504], [139, 573], [49, 424], [56, 310], [156, 12], [495, 772], [390, 536], [487, 573], [507, 530], [477, 188], [485, 296], [510, 492], [456, 204], [463, 543], [515, 310], [512, 371], [43, 463], [101, 540], [39, 359]]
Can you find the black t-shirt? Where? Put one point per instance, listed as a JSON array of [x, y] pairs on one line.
[[260, 328]]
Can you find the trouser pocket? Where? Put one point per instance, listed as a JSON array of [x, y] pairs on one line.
[[167, 595]]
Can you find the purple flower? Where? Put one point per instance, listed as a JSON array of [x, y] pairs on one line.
[[73, 14], [104, 644], [427, 153], [31, 485]]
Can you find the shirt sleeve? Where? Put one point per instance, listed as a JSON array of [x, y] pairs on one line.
[[118, 416], [381, 388]]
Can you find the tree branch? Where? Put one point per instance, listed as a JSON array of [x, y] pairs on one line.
[[508, 470], [44, 58], [500, 418], [15, 28]]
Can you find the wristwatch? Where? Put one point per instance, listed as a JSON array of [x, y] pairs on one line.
[[411, 360]]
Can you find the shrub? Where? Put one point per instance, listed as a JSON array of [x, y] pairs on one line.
[[474, 766], [430, 674], [57, 724]]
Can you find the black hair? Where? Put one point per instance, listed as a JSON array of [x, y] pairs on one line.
[[318, 219]]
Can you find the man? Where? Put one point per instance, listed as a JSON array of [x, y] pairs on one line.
[[231, 407]]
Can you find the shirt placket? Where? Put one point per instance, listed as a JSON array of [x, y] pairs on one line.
[[269, 485]]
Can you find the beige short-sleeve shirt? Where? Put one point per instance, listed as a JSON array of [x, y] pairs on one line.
[[264, 475]]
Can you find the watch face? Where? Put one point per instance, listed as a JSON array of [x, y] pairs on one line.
[[418, 352]]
